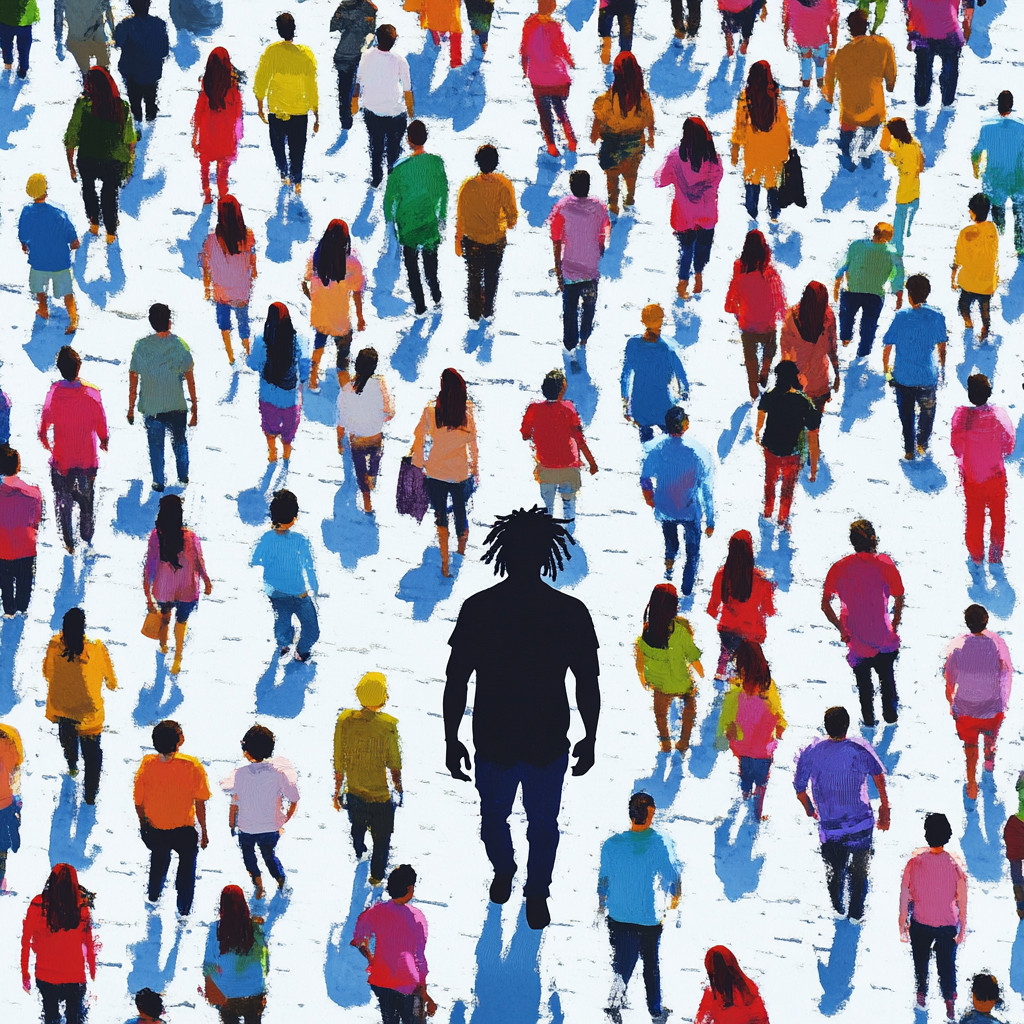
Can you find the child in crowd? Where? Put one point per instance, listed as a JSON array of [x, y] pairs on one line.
[[906, 155], [150, 1006], [985, 996]]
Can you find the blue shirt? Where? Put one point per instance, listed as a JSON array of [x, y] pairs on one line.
[[281, 397], [652, 366], [632, 865], [1002, 141], [48, 233], [236, 975], [287, 560], [915, 333], [682, 471], [142, 40]]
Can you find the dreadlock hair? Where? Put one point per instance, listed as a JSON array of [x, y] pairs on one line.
[[528, 539]]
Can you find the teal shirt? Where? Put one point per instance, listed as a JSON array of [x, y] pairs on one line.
[[161, 364], [416, 199], [870, 266]]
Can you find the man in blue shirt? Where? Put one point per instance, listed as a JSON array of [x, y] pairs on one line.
[[289, 577], [142, 40], [917, 334], [633, 865], [1002, 144], [648, 369], [676, 482]]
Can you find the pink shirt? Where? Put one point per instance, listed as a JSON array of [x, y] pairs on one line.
[[979, 669], [546, 58], [168, 583], [756, 723], [582, 226], [21, 509], [864, 583], [981, 437], [935, 19], [398, 934], [230, 275], [695, 204], [757, 299], [734, 6], [75, 412], [936, 884], [809, 22]]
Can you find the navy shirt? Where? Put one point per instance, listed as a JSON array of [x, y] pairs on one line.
[[142, 40]]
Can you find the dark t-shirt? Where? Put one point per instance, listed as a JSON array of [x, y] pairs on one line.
[[789, 414], [521, 651]]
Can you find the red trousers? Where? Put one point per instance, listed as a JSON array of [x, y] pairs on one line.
[[788, 467], [990, 496]]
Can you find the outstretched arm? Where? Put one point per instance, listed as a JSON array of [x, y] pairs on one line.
[[460, 668]]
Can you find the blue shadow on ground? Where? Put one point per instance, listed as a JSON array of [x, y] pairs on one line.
[[933, 140], [141, 188], [412, 346], [278, 906], [479, 340], [71, 592], [284, 699], [666, 777], [338, 144], [232, 392], [704, 754], [578, 12], [536, 199], [923, 474], [193, 18], [998, 597], [576, 566], [363, 225], [982, 845], [385, 277], [866, 187], [153, 706], [674, 73], [1017, 954], [787, 250], [507, 987], [146, 971], [254, 503], [727, 438], [288, 226], [424, 587], [12, 119], [724, 89], [460, 97], [11, 631], [775, 554], [70, 827], [862, 388], [979, 357], [47, 337], [580, 388], [735, 864], [980, 41], [823, 481], [344, 966], [808, 120], [350, 533], [687, 324], [1013, 300], [101, 288], [889, 758], [836, 976], [190, 247], [322, 406], [136, 517], [614, 260]]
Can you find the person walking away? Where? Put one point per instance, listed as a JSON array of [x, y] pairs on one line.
[[869, 266], [276, 359], [864, 582], [21, 511], [485, 211], [624, 11], [937, 28], [289, 577], [364, 406], [665, 654], [87, 22], [762, 133], [546, 61], [982, 437], [160, 362], [142, 40], [649, 367], [48, 238], [16, 20], [75, 669], [985, 998], [150, 1007], [837, 769], [758, 299], [638, 869], [688, 27], [73, 411], [1013, 838], [228, 260], [1001, 143], [676, 482], [906, 154], [236, 961], [102, 132], [258, 792], [976, 264], [738, 18], [12, 754], [809, 340], [815, 28], [416, 202], [730, 995], [366, 748], [442, 18], [918, 334], [356, 21], [217, 124], [695, 173], [479, 13], [859, 69], [554, 428], [933, 909]]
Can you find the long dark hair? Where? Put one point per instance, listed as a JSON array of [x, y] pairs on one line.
[[726, 978], [231, 229], [762, 96], [101, 90], [627, 82], [756, 254], [218, 78], [62, 899], [450, 407], [659, 615], [170, 531], [738, 573], [331, 254], [899, 131], [72, 633], [697, 144], [752, 666], [810, 315], [234, 928], [279, 338], [366, 366]]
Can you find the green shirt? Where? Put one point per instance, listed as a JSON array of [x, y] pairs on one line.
[[416, 199], [365, 744], [870, 266], [98, 139], [161, 364], [667, 669], [18, 12]]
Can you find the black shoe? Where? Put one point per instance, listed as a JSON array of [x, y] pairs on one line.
[[303, 657], [501, 888], [183, 481], [157, 487], [420, 310], [890, 717], [22, 72], [537, 914], [283, 653]]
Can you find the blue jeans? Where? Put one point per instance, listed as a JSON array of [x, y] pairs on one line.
[[694, 250], [241, 317], [21, 33], [919, 403], [625, 11], [266, 841], [397, 1007], [156, 430], [848, 858], [287, 605], [948, 51], [291, 132], [542, 796], [691, 540], [577, 326], [438, 492], [379, 817], [647, 432], [998, 199], [870, 306], [71, 994], [753, 196], [923, 937], [568, 495], [901, 222], [630, 942]]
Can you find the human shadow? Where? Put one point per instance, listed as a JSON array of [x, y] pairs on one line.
[[412, 346], [191, 246], [836, 976], [979, 357], [923, 474], [193, 18], [385, 277], [735, 864], [254, 502], [865, 187], [1013, 301], [424, 587], [350, 533], [141, 188], [71, 592], [932, 140], [70, 826], [232, 392], [666, 777], [577, 12], [287, 227], [727, 438], [775, 554], [421, 68], [787, 250], [580, 389], [12, 119], [575, 566], [99, 289], [338, 144], [276, 910], [822, 482], [322, 406], [704, 754], [724, 89], [344, 967], [862, 388], [11, 631], [507, 986], [1017, 953], [537, 200], [136, 517], [146, 971], [687, 324], [47, 338], [809, 119], [284, 699], [998, 596], [363, 225], [460, 97], [883, 748], [613, 260], [982, 845], [479, 340], [674, 73], [154, 703], [981, 40]]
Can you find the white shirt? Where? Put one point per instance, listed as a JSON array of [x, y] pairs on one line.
[[365, 414], [383, 80], [258, 790]]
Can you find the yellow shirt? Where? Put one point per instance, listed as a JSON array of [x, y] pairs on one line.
[[486, 209], [365, 744], [286, 77], [636, 122], [75, 688], [764, 153], [11, 755], [860, 67], [977, 256], [908, 159]]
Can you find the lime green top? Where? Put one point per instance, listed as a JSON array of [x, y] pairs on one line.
[[667, 669]]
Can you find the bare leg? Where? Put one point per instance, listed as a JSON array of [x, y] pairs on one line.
[[972, 771], [43, 309], [463, 537], [286, 451], [314, 369], [226, 335], [165, 623]]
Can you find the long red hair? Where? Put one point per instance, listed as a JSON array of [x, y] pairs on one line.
[[726, 978], [218, 78], [627, 82], [660, 615], [101, 90]]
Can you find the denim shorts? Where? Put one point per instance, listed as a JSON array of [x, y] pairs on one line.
[[182, 609], [754, 771], [241, 318], [41, 281]]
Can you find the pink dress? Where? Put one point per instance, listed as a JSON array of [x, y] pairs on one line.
[[169, 584]]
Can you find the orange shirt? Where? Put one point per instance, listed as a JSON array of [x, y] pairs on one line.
[[167, 791], [11, 756]]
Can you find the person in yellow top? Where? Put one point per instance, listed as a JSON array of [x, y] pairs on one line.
[[12, 753], [860, 67], [365, 746], [762, 132], [486, 210], [286, 81], [906, 154], [75, 670], [976, 263]]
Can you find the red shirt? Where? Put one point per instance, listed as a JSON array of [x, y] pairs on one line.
[[21, 509], [218, 131], [712, 1010], [75, 412], [744, 618], [757, 299], [61, 956], [1013, 836], [864, 582], [555, 429]]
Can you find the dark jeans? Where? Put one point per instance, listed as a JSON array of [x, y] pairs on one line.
[[70, 740], [139, 94], [162, 842], [577, 322], [16, 578], [753, 196], [909, 400], [629, 942], [692, 16], [74, 488], [397, 1007], [366, 463], [923, 938], [266, 841], [549, 107], [846, 138], [625, 11], [385, 138], [438, 492], [870, 306], [109, 172], [542, 796], [483, 266], [156, 431], [243, 1010], [848, 859], [23, 35], [883, 664], [998, 200], [287, 605], [346, 84], [72, 995], [948, 50], [967, 299], [412, 268], [291, 133], [691, 541], [647, 432], [694, 250], [379, 818]]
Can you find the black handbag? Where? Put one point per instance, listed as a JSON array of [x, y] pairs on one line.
[[791, 192]]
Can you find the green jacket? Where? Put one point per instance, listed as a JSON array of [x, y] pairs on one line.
[[98, 139], [18, 12], [416, 199]]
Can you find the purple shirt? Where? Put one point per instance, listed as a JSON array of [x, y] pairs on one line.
[[581, 225], [979, 669], [838, 771], [695, 204]]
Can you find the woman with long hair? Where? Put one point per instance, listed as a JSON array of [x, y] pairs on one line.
[[906, 154], [622, 116], [695, 172], [58, 929], [809, 340], [12, 754], [762, 132], [236, 961], [757, 298], [665, 654], [170, 579], [228, 259], [333, 273], [739, 16], [101, 129], [364, 406], [450, 463], [742, 597], [75, 669], [730, 997], [276, 357], [217, 123]]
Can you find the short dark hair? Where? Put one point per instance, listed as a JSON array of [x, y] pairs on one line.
[[10, 461], [160, 317], [416, 133], [149, 1002], [937, 830], [68, 362], [284, 507], [675, 418], [139, 6], [976, 617], [862, 536], [857, 22], [386, 36], [787, 375], [399, 881], [486, 158], [579, 184], [286, 26], [1004, 102], [979, 204], [639, 805], [552, 384], [258, 743], [918, 288], [979, 389], [985, 988], [837, 722], [166, 736]]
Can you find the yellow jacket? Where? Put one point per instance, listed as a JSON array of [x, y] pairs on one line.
[[75, 688], [286, 77], [764, 153], [977, 256], [860, 67]]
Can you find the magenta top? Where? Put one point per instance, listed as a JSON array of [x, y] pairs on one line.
[[935, 19], [170, 584], [546, 58], [695, 204], [809, 21], [936, 884], [982, 436]]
